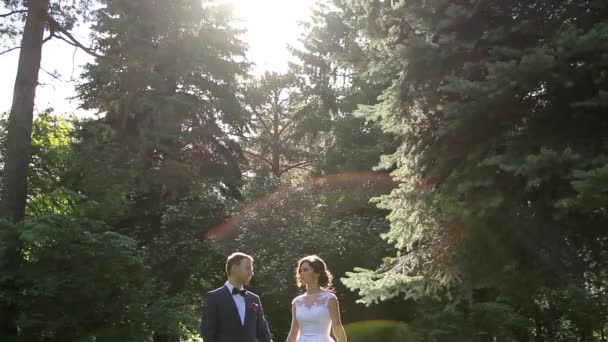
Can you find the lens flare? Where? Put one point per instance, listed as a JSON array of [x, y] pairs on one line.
[[375, 182]]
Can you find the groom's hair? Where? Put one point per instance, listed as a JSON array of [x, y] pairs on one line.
[[235, 259]]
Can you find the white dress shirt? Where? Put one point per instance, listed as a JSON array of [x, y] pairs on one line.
[[238, 300]]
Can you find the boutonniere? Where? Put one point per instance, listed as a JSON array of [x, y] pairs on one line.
[[254, 306]]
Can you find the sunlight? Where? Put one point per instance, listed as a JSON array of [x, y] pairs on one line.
[[271, 25]]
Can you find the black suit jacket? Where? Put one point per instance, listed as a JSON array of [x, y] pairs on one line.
[[221, 321]]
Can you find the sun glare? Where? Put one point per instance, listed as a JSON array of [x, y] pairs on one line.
[[271, 25]]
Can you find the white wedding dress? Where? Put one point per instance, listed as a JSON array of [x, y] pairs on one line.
[[312, 314]]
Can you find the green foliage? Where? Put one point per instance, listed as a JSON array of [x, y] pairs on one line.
[[71, 269], [332, 66], [174, 98], [379, 331], [354, 145], [51, 147], [498, 110]]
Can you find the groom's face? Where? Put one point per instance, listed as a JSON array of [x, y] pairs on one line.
[[244, 271]]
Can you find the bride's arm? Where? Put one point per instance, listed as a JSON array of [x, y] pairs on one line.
[[336, 321], [294, 331]]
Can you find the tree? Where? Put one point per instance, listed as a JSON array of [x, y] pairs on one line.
[[63, 298], [20, 121], [58, 16], [278, 141], [497, 107], [162, 164], [333, 66], [51, 146]]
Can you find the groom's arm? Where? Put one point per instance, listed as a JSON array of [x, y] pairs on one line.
[[209, 319], [262, 326]]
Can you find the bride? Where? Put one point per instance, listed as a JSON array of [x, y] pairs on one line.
[[316, 312]]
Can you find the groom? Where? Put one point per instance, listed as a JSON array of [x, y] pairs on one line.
[[231, 313]]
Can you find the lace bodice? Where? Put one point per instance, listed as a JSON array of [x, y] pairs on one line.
[[312, 314]]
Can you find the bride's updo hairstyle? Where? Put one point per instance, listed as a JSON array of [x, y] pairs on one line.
[[319, 267]]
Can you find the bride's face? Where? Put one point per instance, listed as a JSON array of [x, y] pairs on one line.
[[307, 274]]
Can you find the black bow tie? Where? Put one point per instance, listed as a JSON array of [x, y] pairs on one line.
[[236, 291]]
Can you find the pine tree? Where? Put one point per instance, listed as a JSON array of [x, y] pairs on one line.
[[498, 106], [164, 149]]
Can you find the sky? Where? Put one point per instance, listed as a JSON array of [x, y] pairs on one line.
[[271, 25]]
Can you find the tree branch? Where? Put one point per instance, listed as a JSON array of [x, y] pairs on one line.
[[72, 41], [53, 75], [48, 38], [258, 117], [259, 157], [13, 12], [9, 50], [296, 166], [77, 44], [286, 126]]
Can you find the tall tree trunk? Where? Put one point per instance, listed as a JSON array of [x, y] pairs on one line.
[[19, 137], [19, 140]]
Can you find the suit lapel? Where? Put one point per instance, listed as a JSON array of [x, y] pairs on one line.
[[232, 306], [248, 301]]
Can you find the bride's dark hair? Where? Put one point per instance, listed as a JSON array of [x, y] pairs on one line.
[[319, 267]]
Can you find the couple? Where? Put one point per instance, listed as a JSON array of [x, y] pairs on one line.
[[233, 314]]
